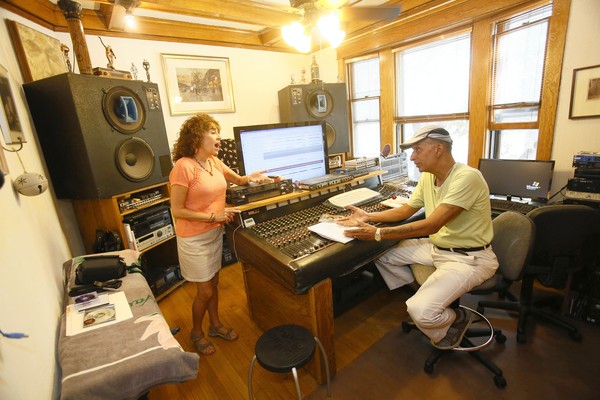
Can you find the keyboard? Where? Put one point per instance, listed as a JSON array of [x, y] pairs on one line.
[[505, 205], [354, 197]]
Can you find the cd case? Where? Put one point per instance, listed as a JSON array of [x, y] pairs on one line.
[[99, 315]]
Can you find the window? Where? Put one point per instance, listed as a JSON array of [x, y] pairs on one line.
[[433, 88], [518, 68], [364, 101]]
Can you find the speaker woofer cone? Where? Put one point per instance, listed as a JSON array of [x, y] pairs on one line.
[[135, 159], [329, 134]]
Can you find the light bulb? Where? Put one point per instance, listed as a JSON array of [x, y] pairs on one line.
[[336, 38], [329, 27], [129, 19], [294, 36]]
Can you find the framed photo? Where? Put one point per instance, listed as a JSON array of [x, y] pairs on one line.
[[585, 93], [198, 84], [39, 55], [10, 124], [3, 164]]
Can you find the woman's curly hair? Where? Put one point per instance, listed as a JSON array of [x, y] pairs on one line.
[[191, 135]]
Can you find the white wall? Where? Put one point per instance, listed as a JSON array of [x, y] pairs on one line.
[[39, 233], [582, 50]]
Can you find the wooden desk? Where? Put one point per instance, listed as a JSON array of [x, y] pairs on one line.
[[274, 298]]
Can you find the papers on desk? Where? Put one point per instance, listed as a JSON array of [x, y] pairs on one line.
[[75, 318], [331, 231]]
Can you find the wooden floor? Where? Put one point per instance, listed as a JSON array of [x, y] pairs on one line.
[[224, 374]]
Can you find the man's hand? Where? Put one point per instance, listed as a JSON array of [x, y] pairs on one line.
[[363, 231], [353, 219]]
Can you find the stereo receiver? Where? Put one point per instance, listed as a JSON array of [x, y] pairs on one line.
[[149, 227], [237, 195]]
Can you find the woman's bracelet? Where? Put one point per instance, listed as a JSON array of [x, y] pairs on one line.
[[212, 218]]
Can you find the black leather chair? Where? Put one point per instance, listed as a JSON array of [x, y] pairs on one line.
[[512, 244], [563, 241]]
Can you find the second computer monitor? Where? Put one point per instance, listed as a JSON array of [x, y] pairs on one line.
[[518, 178]]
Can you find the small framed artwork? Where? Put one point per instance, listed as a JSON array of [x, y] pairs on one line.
[[39, 55], [585, 93], [198, 84], [3, 164], [10, 124]]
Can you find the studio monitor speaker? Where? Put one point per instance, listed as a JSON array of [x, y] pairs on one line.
[[319, 102], [100, 136]]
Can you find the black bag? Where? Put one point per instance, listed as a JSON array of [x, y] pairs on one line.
[[99, 269]]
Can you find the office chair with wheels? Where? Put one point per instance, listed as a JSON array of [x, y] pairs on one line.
[[512, 244], [562, 240]]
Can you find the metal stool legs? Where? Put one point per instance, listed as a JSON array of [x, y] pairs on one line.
[[294, 373]]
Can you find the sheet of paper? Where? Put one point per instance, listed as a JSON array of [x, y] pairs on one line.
[[397, 202], [331, 231], [75, 318]]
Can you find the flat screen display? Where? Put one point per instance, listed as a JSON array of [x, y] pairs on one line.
[[295, 150], [518, 178]]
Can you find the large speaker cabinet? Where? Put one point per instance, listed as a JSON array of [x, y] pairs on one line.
[[100, 136], [319, 102]]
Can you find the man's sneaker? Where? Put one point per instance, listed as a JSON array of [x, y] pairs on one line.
[[457, 330]]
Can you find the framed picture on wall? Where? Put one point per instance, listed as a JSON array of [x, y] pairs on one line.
[[39, 55], [585, 93], [198, 84], [3, 164], [10, 124]]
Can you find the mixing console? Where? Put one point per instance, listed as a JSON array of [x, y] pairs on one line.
[[289, 232]]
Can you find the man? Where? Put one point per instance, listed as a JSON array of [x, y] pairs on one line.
[[454, 237]]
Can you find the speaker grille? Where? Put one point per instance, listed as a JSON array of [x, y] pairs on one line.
[[135, 159]]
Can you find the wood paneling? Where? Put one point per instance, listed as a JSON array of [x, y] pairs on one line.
[[481, 47], [557, 33]]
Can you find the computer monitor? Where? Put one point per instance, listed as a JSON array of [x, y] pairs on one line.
[[294, 150], [518, 178]]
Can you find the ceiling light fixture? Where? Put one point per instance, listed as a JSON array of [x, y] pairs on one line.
[[129, 6], [327, 26], [129, 19]]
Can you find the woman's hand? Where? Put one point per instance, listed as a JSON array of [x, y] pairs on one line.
[[227, 214], [355, 218], [258, 177]]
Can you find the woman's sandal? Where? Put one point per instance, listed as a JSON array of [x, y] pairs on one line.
[[222, 332], [206, 348]]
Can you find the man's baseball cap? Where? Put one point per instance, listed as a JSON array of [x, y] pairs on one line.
[[432, 132]]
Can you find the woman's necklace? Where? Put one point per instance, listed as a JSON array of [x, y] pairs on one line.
[[203, 167]]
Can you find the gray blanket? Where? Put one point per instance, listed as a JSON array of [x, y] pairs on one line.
[[126, 359]]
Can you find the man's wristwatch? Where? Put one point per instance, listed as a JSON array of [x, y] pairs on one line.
[[378, 235]]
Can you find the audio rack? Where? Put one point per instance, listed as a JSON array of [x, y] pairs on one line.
[[140, 199]]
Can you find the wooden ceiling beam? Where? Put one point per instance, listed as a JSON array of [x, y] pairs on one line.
[[247, 12]]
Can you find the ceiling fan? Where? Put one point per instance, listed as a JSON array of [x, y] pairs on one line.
[[326, 15], [347, 13]]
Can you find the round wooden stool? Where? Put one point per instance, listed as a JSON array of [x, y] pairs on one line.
[[283, 349]]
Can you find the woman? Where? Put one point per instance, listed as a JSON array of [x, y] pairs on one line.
[[198, 185]]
